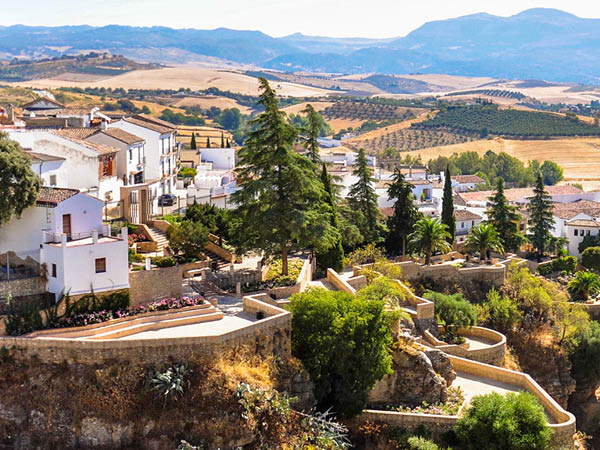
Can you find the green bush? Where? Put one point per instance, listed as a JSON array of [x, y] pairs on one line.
[[563, 264], [585, 358], [511, 422], [187, 172], [344, 344], [420, 443], [164, 261], [23, 319], [187, 237], [453, 312], [170, 383], [590, 258], [503, 312]]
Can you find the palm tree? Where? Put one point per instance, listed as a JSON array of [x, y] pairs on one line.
[[430, 236], [585, 283], [484, 237]]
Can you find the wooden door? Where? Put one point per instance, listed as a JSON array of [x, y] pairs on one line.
[[66, 222]]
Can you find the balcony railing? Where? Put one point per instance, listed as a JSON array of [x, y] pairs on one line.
[[56, 238]]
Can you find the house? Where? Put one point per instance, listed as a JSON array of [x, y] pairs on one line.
[[213, 187], [560, 194], [8, 121], [64, 233], [161, 149], [87, 166], [465, 220], [577, 229], [42, 104], [49, 168]]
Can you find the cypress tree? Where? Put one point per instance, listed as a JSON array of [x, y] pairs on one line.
[[281, 205], [505, 219], [207, 142], [541, 218], [228, 143], [448, 206], [401, 223], [363, 198], [222, 141], [313, 130], [193, 142], [334, 256]]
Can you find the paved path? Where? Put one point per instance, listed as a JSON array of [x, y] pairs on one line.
[[476, 343], [473, 385], [322, 283]]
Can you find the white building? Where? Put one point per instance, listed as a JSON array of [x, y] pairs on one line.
[[577, 229], [464, 221], [49, 168], [160, 148], [220, 158], [88, 166], [64, 232]]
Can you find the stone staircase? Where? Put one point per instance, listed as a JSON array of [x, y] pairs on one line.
[[160, 237], [221, 263]]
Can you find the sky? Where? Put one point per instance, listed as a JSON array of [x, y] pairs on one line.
[[335, 18]]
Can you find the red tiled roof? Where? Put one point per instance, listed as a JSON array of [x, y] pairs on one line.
[[468, 179], [462, 214], [152, 119], [567, 211], [99, 148], [584, 223], [51, 196], [516, 194], [122, 135], [149, 125]]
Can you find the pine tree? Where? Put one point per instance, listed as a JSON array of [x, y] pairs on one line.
[[541, 218], [222, 141], [313, 130], [193, 142], [363, 198], [207, 142], [401, 223], [281, 205], [448, 206], [334, 256], [228, 145], [505, 219]]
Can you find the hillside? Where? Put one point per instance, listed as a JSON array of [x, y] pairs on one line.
[[484, 120], [94, 65], [474, 45]]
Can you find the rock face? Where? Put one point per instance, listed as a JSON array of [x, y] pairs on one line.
[[418, 377]]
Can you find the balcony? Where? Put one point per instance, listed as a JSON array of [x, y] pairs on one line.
[[50, 237]]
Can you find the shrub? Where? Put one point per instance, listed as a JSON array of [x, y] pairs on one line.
[[454, 312], [585, 358], [420, 443], [585, 284], [344, 344], [274, 274], [164, 261], [385, 290], [367, 255], [511, 422], [187, 172], [23, 319], [590, 258], [171, 383], [262, 401], [187, 237], [503, 312], [563, 264]]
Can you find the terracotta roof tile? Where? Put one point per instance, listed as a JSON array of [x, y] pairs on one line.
[[99, 148], [567, 211], [149, 125], [77, 133], [468, 179], [122, 135], [516, 194], [584, 223], [462, 214], [152, 119], [51, 196]]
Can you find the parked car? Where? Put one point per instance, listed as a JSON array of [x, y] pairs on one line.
[[166, 200]]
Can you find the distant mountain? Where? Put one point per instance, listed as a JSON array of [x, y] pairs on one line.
[[543, 44]]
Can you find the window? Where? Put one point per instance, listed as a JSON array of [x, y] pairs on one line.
[[52, 180], [100, 265], [581, 232], [53, 270], [462, 224], [575, 232], [130, 154], [587, 233]]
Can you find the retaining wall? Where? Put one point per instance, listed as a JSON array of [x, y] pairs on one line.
[[21, 287], [493, 354], [265, 337], [155, 284]]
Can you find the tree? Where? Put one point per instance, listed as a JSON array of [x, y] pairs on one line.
[[590, 258], [222, 141], [334, 256], [585, 283], [19, 185], [503, 312], [187, 237], [362, 197], [430, 235], [510, 422], [230, 118], [448, 207], [281, 204], [312, 131], [585, 357], [145, 109], [344, 344], [453, 312], [207, 142], [541, 218], [505, 219], [405, 214], [193, 142], [484, 237], [228, 144], [592, 240], [551, 172]]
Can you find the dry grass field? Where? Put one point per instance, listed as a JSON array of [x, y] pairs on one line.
[[184, 135], [296, 109], [211, 100], [182, 77], [580, 158]]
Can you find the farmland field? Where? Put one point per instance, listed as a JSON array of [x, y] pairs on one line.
[[182, 77], [209, 101], [580, 158]]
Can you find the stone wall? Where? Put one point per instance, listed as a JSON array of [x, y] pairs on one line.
[[268, 336], [155, 284], [21, 287]]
